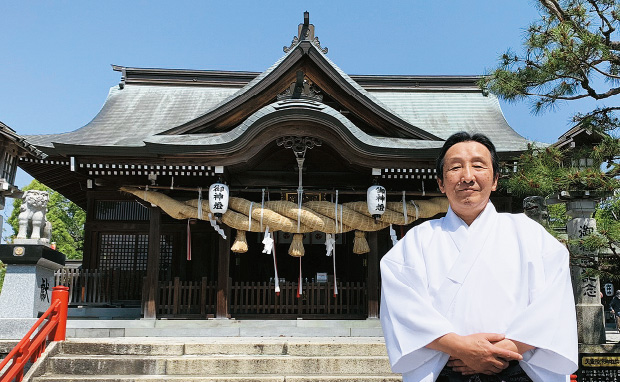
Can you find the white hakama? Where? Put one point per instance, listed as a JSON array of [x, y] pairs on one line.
[[502, 274]]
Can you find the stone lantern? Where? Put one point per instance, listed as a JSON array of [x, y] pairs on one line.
[[580, 207]]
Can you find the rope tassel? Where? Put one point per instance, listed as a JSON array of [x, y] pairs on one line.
[[241, 244], [189, 242], [299, 287], [360, 244], [297, 246], [335, 278]]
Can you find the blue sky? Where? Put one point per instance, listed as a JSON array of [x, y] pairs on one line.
[[55, 68]]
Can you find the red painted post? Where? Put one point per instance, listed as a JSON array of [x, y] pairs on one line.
[[61, 293], [573, 377]]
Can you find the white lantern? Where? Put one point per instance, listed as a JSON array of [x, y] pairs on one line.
[[218, 199], [609, 289], [376, 199]]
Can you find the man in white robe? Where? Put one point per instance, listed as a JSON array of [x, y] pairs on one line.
[[470, 292]]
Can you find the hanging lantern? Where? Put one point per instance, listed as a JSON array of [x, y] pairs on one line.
[[376, 199], [218, 199]]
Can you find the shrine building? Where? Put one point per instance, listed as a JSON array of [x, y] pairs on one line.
[[291, 153]]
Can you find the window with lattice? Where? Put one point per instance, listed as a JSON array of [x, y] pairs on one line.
[[124, 210], [129, 252]]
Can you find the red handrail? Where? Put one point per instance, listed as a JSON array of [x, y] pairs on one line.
[[30, 349]]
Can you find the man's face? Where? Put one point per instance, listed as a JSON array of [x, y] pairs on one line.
[[468, 179]]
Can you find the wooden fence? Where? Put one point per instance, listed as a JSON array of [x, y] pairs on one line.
[[97, 287], [317, 299], [187, 299], [198, 299]]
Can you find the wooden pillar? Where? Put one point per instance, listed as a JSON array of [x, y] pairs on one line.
[[223, 270], [373, 275], [91, 252], [152, 266]]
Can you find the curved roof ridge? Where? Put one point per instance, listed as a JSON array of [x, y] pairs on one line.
[[45, 140], [222, 138], [249, 85], [308, 48], [357, 86]]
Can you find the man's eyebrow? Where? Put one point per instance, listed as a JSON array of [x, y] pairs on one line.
[[473, 159]]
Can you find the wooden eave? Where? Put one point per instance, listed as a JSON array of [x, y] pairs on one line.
[[422, 83], [307, 58], [60, 178], [188, 77], [183, 77], [23, 146]]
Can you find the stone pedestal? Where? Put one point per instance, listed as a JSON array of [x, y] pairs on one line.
[[590, 312], [29, 279]]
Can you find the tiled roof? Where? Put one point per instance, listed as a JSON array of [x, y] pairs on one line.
[[131, 115], [448, 112], [134, 115]]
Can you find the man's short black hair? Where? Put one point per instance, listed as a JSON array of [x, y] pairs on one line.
[[466, 137]]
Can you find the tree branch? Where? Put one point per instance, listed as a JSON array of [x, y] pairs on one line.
[[603, 72], [610, 28], [554, 7]]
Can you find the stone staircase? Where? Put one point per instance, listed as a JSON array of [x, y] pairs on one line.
[[233, 359]]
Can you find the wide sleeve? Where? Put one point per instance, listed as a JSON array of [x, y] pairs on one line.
[[408, 318], [549, 321]]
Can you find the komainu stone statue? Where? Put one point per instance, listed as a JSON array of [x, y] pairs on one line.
[[536, 208], [32, 222]]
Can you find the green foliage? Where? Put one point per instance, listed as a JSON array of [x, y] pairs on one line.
[[608, 226], [2, 273], [548, 171], [557, 216], [66, 217], [572, 52]]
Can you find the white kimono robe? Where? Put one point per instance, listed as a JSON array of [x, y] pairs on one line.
[[503, 274]]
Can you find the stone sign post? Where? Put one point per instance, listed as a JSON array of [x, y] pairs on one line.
[[30, 266], [28, 283], [590, 312]]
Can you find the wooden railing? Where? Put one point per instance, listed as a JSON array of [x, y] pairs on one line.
[[197, 299], [97, 287], [187, 299], [317, 299], [30, 349]]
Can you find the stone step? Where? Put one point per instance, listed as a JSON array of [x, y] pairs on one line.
[[246, 346], [220, 378], [217, 365], [223, 328]]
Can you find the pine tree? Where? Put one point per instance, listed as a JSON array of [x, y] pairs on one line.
[[571, 53]]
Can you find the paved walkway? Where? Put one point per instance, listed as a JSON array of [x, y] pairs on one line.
[[611, 334]]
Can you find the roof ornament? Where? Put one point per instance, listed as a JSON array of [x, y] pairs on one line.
[[121, 85], [301, 88], [305, 32]]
